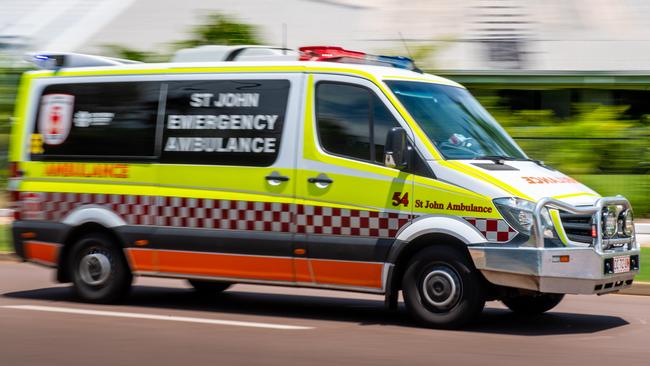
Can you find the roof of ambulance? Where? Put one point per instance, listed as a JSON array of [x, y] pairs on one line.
[[380, 72]]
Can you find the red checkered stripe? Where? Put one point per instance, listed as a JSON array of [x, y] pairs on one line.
[[494, 230], [217, 214], [341, 221]]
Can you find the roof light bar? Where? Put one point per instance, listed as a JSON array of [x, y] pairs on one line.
[[54, 61], [339, 54]]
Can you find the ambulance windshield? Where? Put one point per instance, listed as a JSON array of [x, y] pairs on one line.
[[455, 122]]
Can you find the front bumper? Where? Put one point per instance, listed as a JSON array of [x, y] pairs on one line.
[[537, 266], [537, 269]]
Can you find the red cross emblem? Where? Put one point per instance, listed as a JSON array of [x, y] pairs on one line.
[[55, 118]]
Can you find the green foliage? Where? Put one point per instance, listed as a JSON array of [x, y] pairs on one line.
[[9, 78], [596, 139], [644, 274], [130, 53], [221, 30], [634, 187], [218, 29], [5, 242]]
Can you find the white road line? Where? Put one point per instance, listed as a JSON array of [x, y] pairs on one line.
[[119, 314]]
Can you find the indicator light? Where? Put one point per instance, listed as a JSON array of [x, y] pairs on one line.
[[561, 259], [594, 232]]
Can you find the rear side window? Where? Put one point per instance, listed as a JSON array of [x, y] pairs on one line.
[[96, 121], [224, 122], [352, 121]]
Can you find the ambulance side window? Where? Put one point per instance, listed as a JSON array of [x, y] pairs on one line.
[[352, 121], [96, 121], [224, 122]]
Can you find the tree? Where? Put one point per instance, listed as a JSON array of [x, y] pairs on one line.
[[222, 30], [129, 53], [218, 29]]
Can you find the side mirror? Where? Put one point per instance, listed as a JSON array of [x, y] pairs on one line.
[[396, 149]]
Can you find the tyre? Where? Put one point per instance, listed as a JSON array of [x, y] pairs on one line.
[[99, 271], [209, 287], [533, 304], [442, 289]]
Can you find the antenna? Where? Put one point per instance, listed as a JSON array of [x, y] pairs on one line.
[[415, 68], [405, 46], [284, 38]]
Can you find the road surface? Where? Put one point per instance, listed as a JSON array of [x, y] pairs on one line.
[[164, 323]]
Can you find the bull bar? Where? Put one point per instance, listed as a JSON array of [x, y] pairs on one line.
[[534, 265]]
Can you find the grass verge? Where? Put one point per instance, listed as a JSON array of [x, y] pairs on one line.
[[633, 187], [5, 241], [644, 276]]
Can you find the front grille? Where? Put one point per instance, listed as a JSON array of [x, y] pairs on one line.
[[577, 227]]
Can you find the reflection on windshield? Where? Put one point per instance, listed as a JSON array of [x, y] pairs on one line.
[[454, 121]]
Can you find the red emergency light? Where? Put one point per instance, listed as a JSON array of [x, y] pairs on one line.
[[325, 53], [339, 54]]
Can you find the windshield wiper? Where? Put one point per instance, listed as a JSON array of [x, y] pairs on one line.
[[497, 159], [500, 159]]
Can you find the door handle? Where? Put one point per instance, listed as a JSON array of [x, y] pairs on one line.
[[321, 180], [279, 178]]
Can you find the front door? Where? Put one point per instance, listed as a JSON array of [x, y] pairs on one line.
[[350, 206]]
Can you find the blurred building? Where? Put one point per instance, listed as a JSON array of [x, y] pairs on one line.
[[474, 34]]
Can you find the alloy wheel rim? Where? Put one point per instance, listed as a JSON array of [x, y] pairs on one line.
[[95, 268], [441, 288]]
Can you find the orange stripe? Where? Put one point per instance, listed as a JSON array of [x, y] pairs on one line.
[[214, 265], [288, 269], [47, 253], [301, 265], [142, 260], [348, 273]]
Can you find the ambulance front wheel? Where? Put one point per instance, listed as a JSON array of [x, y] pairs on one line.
[[99, 271], [441, 289]]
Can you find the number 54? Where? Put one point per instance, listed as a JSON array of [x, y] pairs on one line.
[[398, 199]]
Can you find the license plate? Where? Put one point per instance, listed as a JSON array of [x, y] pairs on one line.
[[622, 264]]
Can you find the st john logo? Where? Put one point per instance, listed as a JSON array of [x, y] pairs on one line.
[[55, 118]]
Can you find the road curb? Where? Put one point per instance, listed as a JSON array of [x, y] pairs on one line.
[[643, 228], [638, 288]]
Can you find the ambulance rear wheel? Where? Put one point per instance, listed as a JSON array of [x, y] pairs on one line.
[[99, 270], [209, 287], [533, 304], [442, 289]]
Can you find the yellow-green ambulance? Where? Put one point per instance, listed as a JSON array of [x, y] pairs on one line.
[[341, 171]]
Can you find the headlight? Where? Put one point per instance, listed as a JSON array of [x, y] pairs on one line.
[[609, 222], [519, 214], [626, 220]]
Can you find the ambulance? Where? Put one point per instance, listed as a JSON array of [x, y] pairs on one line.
[[322, 168]]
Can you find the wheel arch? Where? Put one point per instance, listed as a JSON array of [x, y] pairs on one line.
[[77, 232], [425, 232]]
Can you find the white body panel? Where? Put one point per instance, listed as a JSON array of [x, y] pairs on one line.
[[94, 214], [438, 224]]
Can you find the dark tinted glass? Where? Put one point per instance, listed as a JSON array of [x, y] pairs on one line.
[[224, 122], [454, 121], [96, 121], [343, 118], [383, 121], [349, 117]]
